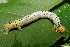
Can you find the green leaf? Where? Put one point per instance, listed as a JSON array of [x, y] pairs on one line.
[[36, 34]]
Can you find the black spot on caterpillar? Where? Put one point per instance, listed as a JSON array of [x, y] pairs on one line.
[[32, 17]]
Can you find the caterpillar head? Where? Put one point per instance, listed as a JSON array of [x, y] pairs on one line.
[[60, 29]]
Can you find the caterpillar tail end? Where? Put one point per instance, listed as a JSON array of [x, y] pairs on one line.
[[6, 32], [60, 29], [6, 29]]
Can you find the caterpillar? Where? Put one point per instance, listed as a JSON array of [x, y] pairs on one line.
[[32, 17]]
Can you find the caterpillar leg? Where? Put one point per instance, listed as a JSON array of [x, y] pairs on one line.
[[19, 28], [7, 32], [55, 27]]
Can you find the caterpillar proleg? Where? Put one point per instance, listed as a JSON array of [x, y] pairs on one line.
[[32, 17]]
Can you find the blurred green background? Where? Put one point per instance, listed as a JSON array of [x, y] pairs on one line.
[[39, 33]]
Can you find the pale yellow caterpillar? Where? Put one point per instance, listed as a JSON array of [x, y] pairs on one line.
[[32, 17]]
